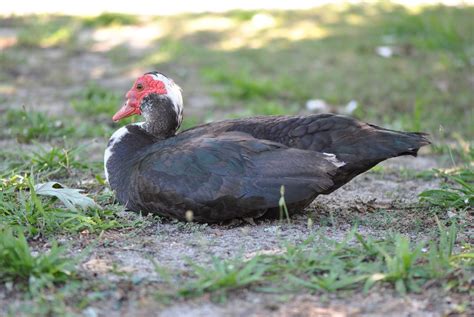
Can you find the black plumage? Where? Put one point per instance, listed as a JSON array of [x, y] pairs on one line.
[[235, 168]]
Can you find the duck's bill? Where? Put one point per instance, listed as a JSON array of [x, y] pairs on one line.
[[127, 110]]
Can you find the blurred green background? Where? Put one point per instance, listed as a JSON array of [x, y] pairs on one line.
[[404, 67]]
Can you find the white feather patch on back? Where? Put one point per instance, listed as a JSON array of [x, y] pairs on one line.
[[333, 159]]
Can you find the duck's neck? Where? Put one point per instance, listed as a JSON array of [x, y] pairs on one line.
[[161, 118], [125, 148], [128, 144]]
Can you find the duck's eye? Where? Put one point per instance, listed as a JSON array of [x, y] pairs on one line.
[[139, 87]]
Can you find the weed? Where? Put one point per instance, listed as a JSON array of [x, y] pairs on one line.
[[9, 60], [90, 128], [47, 31], [282, 206], [241, 15], [21, 207], [189, 226], [189, 122], [28, 125], [263, 107], [324, 265], [457, 191], [224, 276], [95, 100], [19, 265], [55, 161], [400, 266], [431, 30], [110, 19], [264, 93]]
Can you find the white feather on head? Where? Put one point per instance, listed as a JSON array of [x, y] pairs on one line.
[[173, 91]]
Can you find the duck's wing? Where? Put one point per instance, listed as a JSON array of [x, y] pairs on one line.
[[349, 139], [228, 175], [360, 145]]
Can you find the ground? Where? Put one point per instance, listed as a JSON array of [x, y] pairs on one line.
[[63, 77]]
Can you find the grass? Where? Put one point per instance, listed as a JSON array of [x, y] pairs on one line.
[[26, 125], [223, 276], [18, 265], [35, 216], [58, 31], [96, 101], [431, 31], [56, 160], [275, 70], [323, 265], [408, 91], [48, 31], [457, 189], [97, 104], [262, 94], [456, 192], [9, 61], [110, 19]]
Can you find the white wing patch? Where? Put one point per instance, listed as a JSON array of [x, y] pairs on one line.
[[114, 139], [333, 159]]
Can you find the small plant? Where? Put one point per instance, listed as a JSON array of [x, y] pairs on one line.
[[400, 266], [48, 31], [224, 276], [431, 30], [282, 206], [28, 125], [110, 19], [263, 107], [457, 191], [96, 100], [189, 122], [246, 86], [324, 265], [22, 206], [55, 160], [18, 265]]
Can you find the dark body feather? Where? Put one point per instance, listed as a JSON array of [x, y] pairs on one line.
[[235, 168]]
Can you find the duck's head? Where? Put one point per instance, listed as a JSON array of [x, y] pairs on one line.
[[153, 95]]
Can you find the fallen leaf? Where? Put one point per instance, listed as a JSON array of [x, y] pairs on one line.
[[97, 266], [69, 196]]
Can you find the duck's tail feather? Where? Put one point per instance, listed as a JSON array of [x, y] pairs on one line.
[[381, 145]]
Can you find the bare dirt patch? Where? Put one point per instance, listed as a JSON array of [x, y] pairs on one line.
[[178, 245]]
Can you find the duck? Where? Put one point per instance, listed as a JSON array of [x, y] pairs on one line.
[[236, 168]]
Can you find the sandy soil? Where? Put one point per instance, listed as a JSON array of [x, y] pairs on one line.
[[175, 245]]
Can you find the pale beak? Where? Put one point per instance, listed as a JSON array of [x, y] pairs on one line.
[[131, 107]]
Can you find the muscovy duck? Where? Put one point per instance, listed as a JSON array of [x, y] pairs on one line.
[[235, 168]]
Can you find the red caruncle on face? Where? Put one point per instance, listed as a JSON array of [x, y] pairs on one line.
[[142, 87]]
